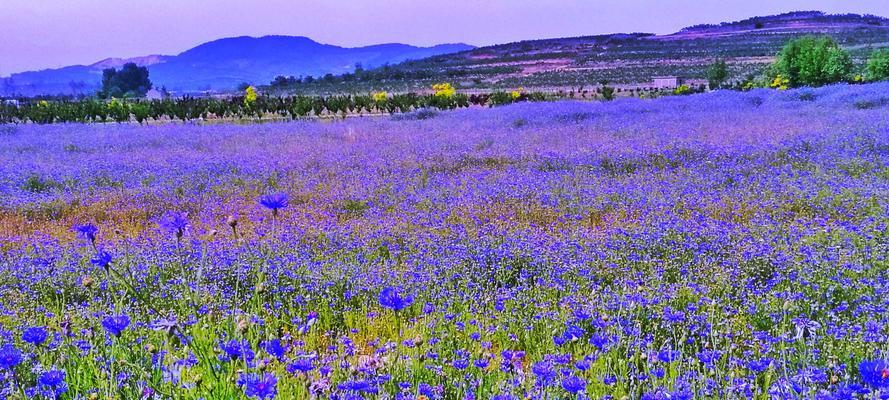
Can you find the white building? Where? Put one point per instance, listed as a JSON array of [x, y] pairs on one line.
[[667, 82]]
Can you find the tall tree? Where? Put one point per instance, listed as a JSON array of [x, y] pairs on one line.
[[130, 81], [812, 61], [717, 74]]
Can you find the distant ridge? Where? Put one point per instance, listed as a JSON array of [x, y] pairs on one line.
[[749, 45], [225, 63]]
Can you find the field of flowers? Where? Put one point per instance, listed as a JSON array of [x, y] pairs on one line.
[[719, 246]]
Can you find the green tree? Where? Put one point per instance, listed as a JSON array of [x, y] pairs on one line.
[[812, 61], [717, 74], [878, 65], [130, 81]]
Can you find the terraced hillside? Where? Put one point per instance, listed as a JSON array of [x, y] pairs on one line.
[[632, 59]]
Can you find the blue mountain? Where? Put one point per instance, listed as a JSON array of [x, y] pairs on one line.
[[225, 63]]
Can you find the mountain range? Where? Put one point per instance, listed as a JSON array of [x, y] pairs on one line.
[[225, 63]]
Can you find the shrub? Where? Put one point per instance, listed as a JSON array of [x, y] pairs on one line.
[[682, 90], [717, 74], [812, 61], [878, 65]]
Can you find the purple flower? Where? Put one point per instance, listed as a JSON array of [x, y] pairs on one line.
[[175, 223], [9, 356], [875, 373], [758, 366], [301, 364], [259, 386], [235, 349], [545, 373], [275, 348], [101, 259], [274, 202], [667, 355], [573, 384], [390, 298], [35, 335], [86, 231], [53, 382], [116, 324], [358, 386]]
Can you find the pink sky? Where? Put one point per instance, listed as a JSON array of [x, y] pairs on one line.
[[37, 34]]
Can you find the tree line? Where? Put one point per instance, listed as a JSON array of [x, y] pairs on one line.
[[247, 106]]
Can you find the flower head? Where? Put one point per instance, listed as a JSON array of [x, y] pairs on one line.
[[9, 356], [175, 222], [102, 259], [259, 386], [35, 335], [52, 383], [875, 373], [301, 364], [274, 202], [116, 324], [390, 298], [235, 349], [573, 384], [86, 231]]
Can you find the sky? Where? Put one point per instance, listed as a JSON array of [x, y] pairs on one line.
[[37, 34]]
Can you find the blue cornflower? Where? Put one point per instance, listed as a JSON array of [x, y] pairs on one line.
[[235, 349], [573, 384], [545, 373], [709, 357], [86, 231], [175, 222], [9, 356], [668, 355], [274, 202], [301, 364], [275, 348], [35, 335], [390, 298], [758, 366], [102, 259], [875, 373], [425, 389], [358, 386], [53, 381], [259, 386], [116, 324], [461, 363]]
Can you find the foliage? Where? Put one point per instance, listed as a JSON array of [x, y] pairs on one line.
[[878, 65], [717, 74], [130, 81], [780, 83], [444, 90], [682, 89], [812, 61]]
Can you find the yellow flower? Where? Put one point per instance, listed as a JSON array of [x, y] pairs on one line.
[[682, 89], [43, 103], [517, 93], [444, 90], [780, 83], [380, 96], [250, 96]]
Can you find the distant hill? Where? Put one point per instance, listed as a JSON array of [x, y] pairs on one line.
[[749, 47], [225, 63]]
